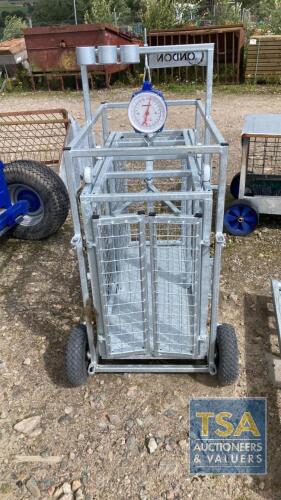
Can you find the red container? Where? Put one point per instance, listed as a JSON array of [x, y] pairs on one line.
[[52, 49]]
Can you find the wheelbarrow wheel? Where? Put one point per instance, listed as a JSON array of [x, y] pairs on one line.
[[226, 355], [241, 218], [46, 194], [76, 356], [234, 185]]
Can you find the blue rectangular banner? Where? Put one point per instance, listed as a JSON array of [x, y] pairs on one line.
[[228, 436]]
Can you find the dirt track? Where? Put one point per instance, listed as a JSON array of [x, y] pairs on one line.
[[101, 430]]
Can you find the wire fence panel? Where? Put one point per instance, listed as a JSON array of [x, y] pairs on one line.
[[175, 250], [264, 155], [33, 135], [121, 256], [149, 274]]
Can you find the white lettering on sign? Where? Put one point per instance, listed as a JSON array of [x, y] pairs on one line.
[[174, 59]]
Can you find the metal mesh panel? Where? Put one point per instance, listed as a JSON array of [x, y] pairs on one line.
[[121, 251], [176, 267], [264, 156], [34, 135], [149, 274]]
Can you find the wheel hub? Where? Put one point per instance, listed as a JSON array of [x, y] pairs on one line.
[[20, 192]]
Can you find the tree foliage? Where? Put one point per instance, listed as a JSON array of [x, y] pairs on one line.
[[48, 12], [108, 11], [99, 12], [225, 12], [13, 27], [160, 14]]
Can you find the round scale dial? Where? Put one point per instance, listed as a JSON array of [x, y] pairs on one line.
[[147, 112]]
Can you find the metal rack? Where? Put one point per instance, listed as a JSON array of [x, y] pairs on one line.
[[33, 135], [142, 209]]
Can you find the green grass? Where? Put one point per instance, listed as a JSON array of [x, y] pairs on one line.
[[243, 88]]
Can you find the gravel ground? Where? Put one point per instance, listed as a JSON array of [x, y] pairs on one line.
[[98, 434]]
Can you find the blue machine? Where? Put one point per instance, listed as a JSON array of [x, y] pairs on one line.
[[10, 214]]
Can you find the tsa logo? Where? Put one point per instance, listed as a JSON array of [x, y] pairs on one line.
[[228, 436]]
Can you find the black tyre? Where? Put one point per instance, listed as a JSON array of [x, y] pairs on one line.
[[46, 194], [76, 356], [234, 186], [226, 355]]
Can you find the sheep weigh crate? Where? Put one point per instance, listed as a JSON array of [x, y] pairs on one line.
[[142, 218]]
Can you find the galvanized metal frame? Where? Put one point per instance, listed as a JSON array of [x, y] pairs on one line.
[[180, 144]]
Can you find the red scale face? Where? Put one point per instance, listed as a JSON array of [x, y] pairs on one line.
[[147, 112]]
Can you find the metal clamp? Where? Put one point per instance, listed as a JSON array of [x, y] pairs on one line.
[[205, 243], [92, 368], [90, 244], [220, 239], [76, 241]]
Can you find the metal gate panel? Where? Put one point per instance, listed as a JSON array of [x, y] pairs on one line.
[[121, 256], [175, 247]]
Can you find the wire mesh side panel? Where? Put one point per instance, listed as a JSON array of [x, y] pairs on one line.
[[175, 258], [35, 135], [264, 156], [122, 262]]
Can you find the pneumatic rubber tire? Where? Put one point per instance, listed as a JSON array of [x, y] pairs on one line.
[[234, 186], [76, 356], [226, 355], [41, 181]]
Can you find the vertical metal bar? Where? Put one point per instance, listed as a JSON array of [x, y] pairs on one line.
[[165, 70], [86, 93], [217, 56], [233, 56], [104, 305], [149, 168], [208, 104], [202, 67], [265, 145], [225, 57], [75, 11], [186, 68], [78, 243], [144, 284], [239, 49], [196, 274], [93, 267], [217, 257], [105, 128], [245, 150], [87, 103], [154, 291], [158, 70], [209, 82], [197, 124], [205, 275]]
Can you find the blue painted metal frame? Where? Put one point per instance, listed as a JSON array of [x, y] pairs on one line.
[[12, 213]]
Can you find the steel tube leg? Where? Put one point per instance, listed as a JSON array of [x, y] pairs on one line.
[[217, 258]]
